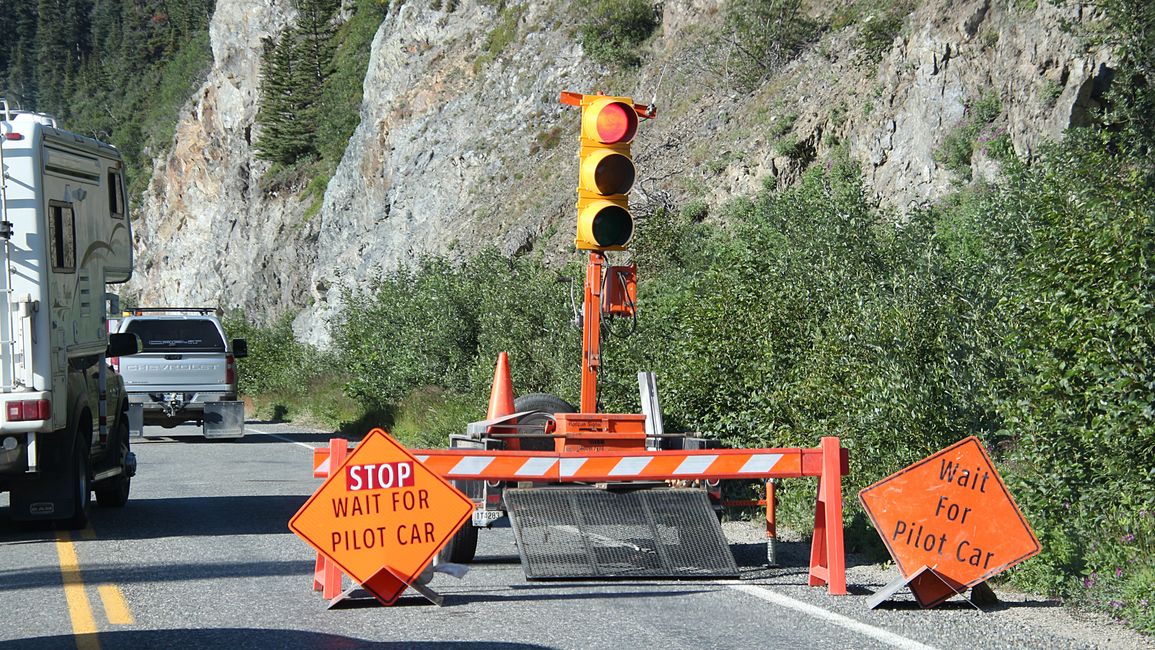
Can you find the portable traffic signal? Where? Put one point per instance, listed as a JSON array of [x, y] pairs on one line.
[[606, 173]]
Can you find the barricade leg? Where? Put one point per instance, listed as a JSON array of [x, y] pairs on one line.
[[827, 552], [771, 523], [327, 576]]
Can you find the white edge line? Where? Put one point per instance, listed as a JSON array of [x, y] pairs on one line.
[[877, 633], [266, 433]]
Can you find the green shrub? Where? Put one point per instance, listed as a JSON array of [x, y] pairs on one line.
[[1078, 404], [443, 325], [878, 27], [427, 416], [276, 360], [612, 31], [976, 127], [761, 36], [502, 34], [285, 379]]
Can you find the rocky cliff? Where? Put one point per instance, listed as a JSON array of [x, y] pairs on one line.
[[461, 147]]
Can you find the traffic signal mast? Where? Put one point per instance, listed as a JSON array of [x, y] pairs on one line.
[[604, 223]]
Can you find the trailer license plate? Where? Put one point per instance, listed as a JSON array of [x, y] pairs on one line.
[[485, 518]]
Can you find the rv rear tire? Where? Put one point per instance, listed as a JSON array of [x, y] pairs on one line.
[[81, 487], [113, 493]]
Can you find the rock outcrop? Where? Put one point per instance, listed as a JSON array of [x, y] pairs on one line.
[[463, 144]]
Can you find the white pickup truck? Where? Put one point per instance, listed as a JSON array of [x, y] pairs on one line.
[[186, 371]]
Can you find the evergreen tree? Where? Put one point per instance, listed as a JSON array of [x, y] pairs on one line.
[[284, 137], [315, 39], [293, 76], [18, 59], [62, 46]]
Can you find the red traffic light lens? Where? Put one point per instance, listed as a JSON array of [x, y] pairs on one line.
[[616, 122]]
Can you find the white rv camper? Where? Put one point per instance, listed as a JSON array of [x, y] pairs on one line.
[[64, 234]]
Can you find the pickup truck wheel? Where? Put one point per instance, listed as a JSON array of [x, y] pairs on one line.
[[81, 487], [113, 493]]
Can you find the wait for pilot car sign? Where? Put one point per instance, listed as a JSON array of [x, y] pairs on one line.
[[951, 513], [382, 511]]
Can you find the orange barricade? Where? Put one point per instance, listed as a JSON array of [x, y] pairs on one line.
[[327, 577], [829, 462]]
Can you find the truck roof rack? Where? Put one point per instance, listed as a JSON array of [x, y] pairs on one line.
[[138, 311]]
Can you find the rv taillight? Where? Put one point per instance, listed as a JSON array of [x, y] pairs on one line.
[[29, 409], [115, 363], [13, 136], [230, 369]]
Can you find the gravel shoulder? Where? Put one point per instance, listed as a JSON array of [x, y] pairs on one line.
[[1016, 620]]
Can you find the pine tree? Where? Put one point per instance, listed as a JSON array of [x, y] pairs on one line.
[[293, 75], [284, 138], [18, 19], [62, 46], [315, 36]]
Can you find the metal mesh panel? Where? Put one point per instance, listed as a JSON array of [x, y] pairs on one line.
[[590, 533]]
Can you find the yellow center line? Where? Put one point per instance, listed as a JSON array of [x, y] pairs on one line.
[[79, 609], [115, 606]]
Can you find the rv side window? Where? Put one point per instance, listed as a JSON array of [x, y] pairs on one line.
[[62, 229], [115, 195]]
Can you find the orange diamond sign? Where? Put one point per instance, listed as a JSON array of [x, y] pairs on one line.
[[950, 513], [382, 511]]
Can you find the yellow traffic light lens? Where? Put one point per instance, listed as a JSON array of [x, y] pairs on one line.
[[607, 172]]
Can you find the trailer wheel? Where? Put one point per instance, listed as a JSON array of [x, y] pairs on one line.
[[462, 547], [81, 486], [544, 405], [114, 492]]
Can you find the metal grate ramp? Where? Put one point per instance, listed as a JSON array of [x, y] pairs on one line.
[[581, 532]]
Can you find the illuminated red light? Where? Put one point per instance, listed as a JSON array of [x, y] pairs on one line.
[[616, 122]]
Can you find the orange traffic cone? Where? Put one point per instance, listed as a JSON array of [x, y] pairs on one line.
[[501, 395]]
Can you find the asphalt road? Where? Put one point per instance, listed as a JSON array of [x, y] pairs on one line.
[[201, 557]]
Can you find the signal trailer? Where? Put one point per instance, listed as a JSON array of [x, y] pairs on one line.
[[515, 461], [588, 493]]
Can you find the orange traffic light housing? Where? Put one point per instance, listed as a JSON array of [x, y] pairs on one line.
[[606, 173]]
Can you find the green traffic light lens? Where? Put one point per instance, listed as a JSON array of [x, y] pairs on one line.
[[612, 226]]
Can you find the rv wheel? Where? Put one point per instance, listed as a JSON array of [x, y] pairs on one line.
[[113, 493], [81, 487]]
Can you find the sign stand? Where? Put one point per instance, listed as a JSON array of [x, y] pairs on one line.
[[386, 578], [327, 576], [827, 555], [927, 585]]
